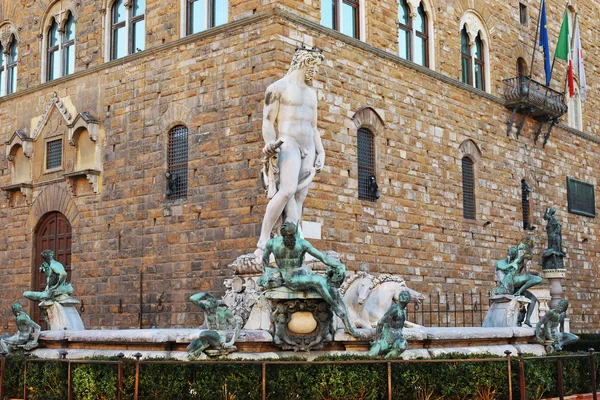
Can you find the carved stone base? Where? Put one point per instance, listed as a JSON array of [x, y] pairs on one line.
[[63, 315], [302, 321], [555, 277], [504, 311]]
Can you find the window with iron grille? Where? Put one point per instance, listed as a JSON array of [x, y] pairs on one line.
[[468, 182], [177, 175], [54, 154], [366, 165], [525, 194]]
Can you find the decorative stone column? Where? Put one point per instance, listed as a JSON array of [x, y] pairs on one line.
[[555, 277]]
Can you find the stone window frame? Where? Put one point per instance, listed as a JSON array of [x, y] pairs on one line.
[[61, 17], [47, 140], [8, 69], [185, 16], [129, 26], [338, 20], [429, 11], [469, 149], [369, 119], [473, 25]]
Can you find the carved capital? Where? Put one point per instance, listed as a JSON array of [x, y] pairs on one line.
[[10, 158]]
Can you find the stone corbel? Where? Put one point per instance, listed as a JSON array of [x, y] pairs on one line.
[[92, 175], [25, 188]]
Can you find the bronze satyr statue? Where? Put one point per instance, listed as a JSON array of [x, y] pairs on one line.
[[289, 250], [57, 288], [514, 278], [550, 329], [218, 318], [389, 339], [27, 335]]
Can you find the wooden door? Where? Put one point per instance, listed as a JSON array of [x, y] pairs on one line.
[[53, 233]]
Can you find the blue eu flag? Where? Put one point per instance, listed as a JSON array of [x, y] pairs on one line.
[[544, 43]]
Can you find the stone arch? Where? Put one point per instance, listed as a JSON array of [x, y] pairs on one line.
[[8, 33], [367, 117], [468, 148], [59, 10], [475, 25], [53, 198], [175, 114]]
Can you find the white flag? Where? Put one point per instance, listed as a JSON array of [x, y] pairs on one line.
[[578, 62]]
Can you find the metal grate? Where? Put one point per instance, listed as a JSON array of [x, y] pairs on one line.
[[177, 176], [366, 164], [54, 154], [525, 191], [468, 188]]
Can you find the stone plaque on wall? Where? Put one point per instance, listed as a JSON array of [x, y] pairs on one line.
[[580, 197]]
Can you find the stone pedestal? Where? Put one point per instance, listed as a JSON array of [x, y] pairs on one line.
[[555, 277], [504, 311], [542, 293], [301, 320], [63, 315]]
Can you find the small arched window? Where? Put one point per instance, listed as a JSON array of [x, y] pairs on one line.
[[68, 46], [522, 67], [404, 30], [177, 174], [367, 182], [465, 54], [342, 15], [468, 186], [53, 51]]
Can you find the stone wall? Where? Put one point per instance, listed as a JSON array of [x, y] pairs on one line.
[[213, 83]]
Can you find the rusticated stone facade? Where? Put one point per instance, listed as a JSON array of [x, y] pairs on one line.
[[136, 257]]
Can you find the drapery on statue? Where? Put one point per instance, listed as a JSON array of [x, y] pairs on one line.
[[27, 335], [294, 153], [550, 328], [389, 339], [552, 257], [289, 250], [217, 319], [57, 288], [514, 277]]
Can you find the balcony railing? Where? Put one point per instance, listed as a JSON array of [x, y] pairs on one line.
[[533, 98]]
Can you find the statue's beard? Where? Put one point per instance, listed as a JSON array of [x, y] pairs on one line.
[[309, 75], [289, 241]]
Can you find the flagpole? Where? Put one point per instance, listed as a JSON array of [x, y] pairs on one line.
[[535, 41], [570, 50]]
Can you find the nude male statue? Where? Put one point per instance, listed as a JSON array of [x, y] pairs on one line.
[[295, 151], [289, 250], [56, 280], [27, 335]]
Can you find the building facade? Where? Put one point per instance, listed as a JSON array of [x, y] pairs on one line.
[[131, 135]]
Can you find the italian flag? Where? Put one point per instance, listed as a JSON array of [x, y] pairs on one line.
[[563, 52]]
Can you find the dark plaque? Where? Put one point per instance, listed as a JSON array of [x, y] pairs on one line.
[[580, 196]]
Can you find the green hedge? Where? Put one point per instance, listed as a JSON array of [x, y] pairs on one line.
[[448, 380]]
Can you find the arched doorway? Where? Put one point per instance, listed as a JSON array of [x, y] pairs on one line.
[[53, 233]]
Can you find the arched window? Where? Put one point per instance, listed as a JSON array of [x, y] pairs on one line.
[[468, 186], [466, 59], [204, 14], [474, 50], [341, 15], [8, 68], [60, 49], [413, 38], [479, 64], [128, 27], [367, 182], [177, 174]]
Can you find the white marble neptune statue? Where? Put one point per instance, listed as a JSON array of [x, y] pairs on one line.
[[293, 151]]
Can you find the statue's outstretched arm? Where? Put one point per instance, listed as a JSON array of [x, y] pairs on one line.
[[236, 332], [330, 262], [266, 257]]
